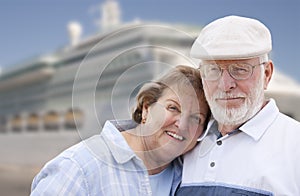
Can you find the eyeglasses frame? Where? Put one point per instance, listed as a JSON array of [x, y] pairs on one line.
[[222, 69]]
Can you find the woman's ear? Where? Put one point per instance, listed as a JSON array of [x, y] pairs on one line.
[[144, 112], [269, 68]]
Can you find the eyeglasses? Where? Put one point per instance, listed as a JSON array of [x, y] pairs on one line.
[[238, 71]]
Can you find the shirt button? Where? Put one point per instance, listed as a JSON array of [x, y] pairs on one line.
[[212, 164], [219, 143]]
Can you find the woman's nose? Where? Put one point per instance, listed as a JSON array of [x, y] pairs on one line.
[[181, 121]]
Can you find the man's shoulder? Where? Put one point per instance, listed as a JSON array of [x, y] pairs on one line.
[[287, 121]]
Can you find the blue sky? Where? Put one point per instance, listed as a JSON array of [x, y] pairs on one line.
[[33, 27]]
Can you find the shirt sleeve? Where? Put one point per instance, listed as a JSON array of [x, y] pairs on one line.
[[62, 176]]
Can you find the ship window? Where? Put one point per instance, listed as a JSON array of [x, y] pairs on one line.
[[33, 122], [51, 121], [3, 123], [73, 119], [16, 123]]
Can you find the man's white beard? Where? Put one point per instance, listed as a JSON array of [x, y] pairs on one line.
[[236, 116]]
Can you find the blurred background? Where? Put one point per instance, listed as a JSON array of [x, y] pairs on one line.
[[67, 66]]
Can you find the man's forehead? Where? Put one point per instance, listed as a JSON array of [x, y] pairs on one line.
[[228, 61]]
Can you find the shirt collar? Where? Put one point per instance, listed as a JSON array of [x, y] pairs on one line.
[[118, 146], [258, 125]]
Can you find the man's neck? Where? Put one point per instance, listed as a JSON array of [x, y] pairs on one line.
[[226, 129]]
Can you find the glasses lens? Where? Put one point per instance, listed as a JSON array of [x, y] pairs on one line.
[[210, 71], [240, 71]]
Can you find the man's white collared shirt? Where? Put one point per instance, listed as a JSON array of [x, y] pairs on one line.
[[262, 158]]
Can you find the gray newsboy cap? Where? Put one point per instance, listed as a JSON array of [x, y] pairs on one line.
[[232, 37]]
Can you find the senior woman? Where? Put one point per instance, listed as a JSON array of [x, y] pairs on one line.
[[136, 157]]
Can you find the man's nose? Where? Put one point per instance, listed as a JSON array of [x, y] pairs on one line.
[[226, 82]]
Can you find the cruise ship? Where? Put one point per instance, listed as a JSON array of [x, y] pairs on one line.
[[56, 100]]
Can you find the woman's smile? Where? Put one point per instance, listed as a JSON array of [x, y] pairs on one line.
[[175, 136]]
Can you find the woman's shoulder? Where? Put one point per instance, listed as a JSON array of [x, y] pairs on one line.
[[76, 165], [86, 151]]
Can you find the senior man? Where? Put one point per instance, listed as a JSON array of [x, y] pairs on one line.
[[251, 148]]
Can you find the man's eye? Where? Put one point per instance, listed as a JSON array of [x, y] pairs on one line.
[[241, 69], [213, 69]]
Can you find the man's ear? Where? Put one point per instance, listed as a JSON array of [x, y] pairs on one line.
[[269, 68]]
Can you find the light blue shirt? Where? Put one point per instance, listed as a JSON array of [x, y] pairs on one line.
[[101, 165], [161, 183]]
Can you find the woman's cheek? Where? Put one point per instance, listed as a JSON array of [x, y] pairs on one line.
[[157, 117]]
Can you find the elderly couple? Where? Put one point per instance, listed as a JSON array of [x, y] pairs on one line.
[[235, 143]]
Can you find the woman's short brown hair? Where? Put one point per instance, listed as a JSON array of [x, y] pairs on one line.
[[181, 76]]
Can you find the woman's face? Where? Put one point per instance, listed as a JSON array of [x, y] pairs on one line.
[[174, 123]]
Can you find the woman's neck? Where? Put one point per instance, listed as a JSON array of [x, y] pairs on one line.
[[148, 156]]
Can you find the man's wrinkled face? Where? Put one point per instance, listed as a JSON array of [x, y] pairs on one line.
[[232, 101]]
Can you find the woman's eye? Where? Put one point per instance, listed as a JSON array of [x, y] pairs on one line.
[[196, 119], [173, 108]]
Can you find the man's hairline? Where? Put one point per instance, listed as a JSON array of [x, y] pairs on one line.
[[262, 59]]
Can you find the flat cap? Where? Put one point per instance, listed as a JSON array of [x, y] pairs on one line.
[[232, 37]]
